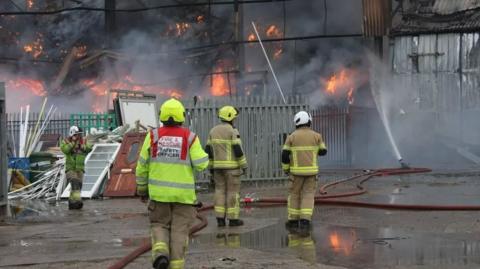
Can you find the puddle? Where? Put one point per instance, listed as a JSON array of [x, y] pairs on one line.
[[19, 211], [353, 247]]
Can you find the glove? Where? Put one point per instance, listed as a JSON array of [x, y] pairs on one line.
[[144, 199], [198, 204], [244, 171], [286, 172]]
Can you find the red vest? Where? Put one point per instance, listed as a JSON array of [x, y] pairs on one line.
[[175, 138]]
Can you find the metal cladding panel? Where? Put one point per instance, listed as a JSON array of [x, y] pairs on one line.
[[404, 47], [448, 59], [427, 49], [471, 91], [471, 51], [376, 17], [122, 181]]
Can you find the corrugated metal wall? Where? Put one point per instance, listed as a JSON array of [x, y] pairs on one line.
[[442, 72], [376, 17], [334, 125], [263, 124]]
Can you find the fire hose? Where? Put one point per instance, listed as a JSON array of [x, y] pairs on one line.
[[323, 199]]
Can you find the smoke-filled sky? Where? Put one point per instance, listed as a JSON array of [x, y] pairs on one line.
[[147, 50]]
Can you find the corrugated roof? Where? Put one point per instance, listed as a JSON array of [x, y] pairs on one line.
[[445, 16], [451, 6]]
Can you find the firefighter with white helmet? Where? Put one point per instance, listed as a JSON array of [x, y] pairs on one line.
[[227, 164], [299, 161], [165, 174], [75, 148]]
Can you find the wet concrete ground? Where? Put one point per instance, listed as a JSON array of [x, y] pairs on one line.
[[40, 235]]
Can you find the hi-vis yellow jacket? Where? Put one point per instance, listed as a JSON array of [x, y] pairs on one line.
[[299, 154], [166, 163], [224, 148]]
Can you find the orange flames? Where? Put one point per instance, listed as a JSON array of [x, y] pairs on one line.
[[101, 88], [272, 31], [200, 19], [342, 83], [36, 87], [34, 48], [179, 29], [30, 4], [219, 82], [81, 52]]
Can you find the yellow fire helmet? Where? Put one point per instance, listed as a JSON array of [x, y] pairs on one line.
[[174, 109], [227, 113]]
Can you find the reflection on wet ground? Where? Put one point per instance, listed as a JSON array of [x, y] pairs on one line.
[[354, 247]]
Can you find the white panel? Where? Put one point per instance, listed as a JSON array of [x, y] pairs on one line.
[[143, 110], [97, 165]]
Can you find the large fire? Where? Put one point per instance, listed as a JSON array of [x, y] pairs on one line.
[[219, 83], [33, 86], [342, 83], [101, 87]]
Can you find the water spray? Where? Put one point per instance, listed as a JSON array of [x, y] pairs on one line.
[[386, 124]]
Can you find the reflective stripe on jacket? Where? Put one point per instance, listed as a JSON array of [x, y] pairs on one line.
[[301, 150], [75, 154], [166, 163], [224, 148]]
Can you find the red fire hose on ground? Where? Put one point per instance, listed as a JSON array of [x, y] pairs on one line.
[[323, 199]]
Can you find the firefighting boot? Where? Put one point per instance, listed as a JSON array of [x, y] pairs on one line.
[[235, 222], [161, 262], [220, 222], [75, 205]]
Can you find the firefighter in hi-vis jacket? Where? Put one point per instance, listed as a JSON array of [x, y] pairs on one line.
[[165, 174], [227, 164], [299, 161]]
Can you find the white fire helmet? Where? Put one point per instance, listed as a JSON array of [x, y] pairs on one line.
[[302, 118], [74, 130]]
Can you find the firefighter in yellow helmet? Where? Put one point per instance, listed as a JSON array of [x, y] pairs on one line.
[[165, 173], [227, 164], [299, 161]]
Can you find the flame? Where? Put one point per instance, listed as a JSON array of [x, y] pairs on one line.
[[278, 53], [30, 4], [100, 88], [342, 83], [350, 96], [251, 37], [81, 52], [34, 48], [273, 31], [200, 19], [34, 86], [219, 83]]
